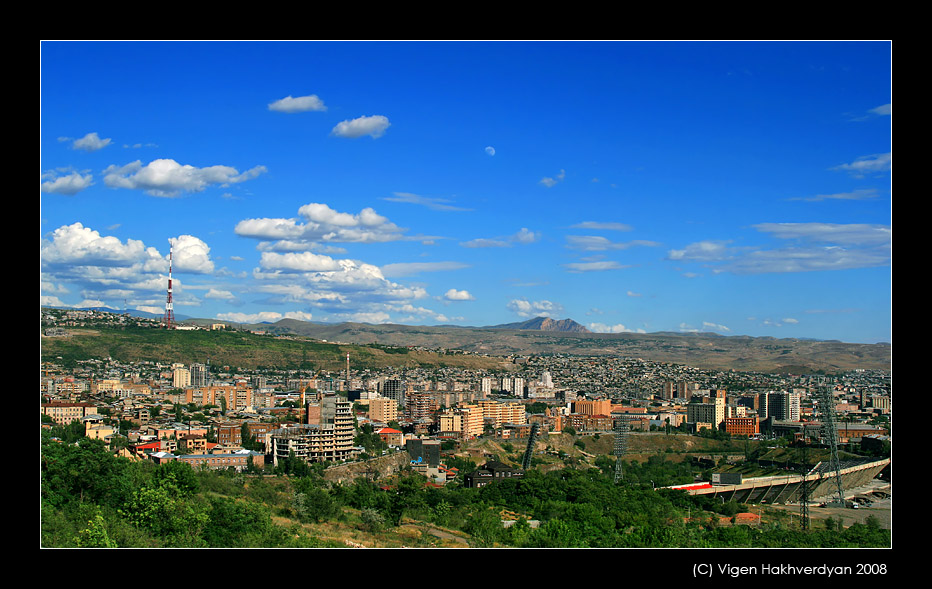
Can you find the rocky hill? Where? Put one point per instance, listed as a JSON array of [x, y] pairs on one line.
[[545, 324]]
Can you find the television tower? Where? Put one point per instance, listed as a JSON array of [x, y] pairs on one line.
[[169, 319]]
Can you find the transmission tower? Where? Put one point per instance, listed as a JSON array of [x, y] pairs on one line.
[[526, 461], [830, 435], [621, 447], [169, 319], [804, 487]]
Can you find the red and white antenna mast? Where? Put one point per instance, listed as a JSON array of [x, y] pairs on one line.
[[169, 319]]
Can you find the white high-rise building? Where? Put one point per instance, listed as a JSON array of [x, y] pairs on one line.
[[546, 380]]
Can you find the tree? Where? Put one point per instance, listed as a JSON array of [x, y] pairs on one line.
[[94, 535]]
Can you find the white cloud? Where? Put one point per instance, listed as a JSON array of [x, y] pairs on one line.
[[190, 254], [220, 295], [290, 104], [69, 184], [596, 243], [90, 142], [342, 286], [298, 262], [458, 295], [322, 224], [168, 178], [483, 242], [818, 246], [366, 317], [703, 251], [490, 150], [882, 110], [375, 126], [105, 268], [436, 204], [594, 266], [845, 233], [262, 317], [617, 328], [408, 268], [551, 182], [76, 245], [602, 225], [524, 235], [709, 326], [868, 164], [526, 308], [861, 194]]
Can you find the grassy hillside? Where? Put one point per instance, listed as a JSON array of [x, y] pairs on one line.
[[242, 350]]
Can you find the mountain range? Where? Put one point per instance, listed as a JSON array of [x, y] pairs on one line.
[[542, 335]]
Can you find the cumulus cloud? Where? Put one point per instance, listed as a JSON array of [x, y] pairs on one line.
[[69, 184], [105, 268], [90, 142], [191, 254], [375, 126], [219, 294], [342, 286], [526, 308], [322, 223], [458, 295], [168, 178], [490, 150], [290, 104]]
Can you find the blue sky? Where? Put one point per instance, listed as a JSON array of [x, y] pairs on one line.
[[741, 188]]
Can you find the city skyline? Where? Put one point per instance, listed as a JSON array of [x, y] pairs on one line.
[[741, 188]]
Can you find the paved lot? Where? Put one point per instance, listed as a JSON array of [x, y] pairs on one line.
[[880, 508]]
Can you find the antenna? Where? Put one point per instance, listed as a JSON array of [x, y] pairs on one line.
[[169, 319]]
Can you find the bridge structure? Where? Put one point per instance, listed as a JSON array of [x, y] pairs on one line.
[[789, 488]]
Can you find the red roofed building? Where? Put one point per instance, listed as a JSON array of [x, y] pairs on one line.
[[392, 437]]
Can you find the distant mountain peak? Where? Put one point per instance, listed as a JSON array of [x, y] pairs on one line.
[[545, 324]]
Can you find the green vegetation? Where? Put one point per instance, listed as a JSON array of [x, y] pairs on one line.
[[241, 349], [90, 498]]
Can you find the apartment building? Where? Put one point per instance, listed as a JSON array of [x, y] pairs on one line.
[[592, 406], [63, 412], [742, 426], [385, 410]]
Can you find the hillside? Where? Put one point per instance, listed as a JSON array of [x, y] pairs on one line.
[[244, 350], [701, 350]]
